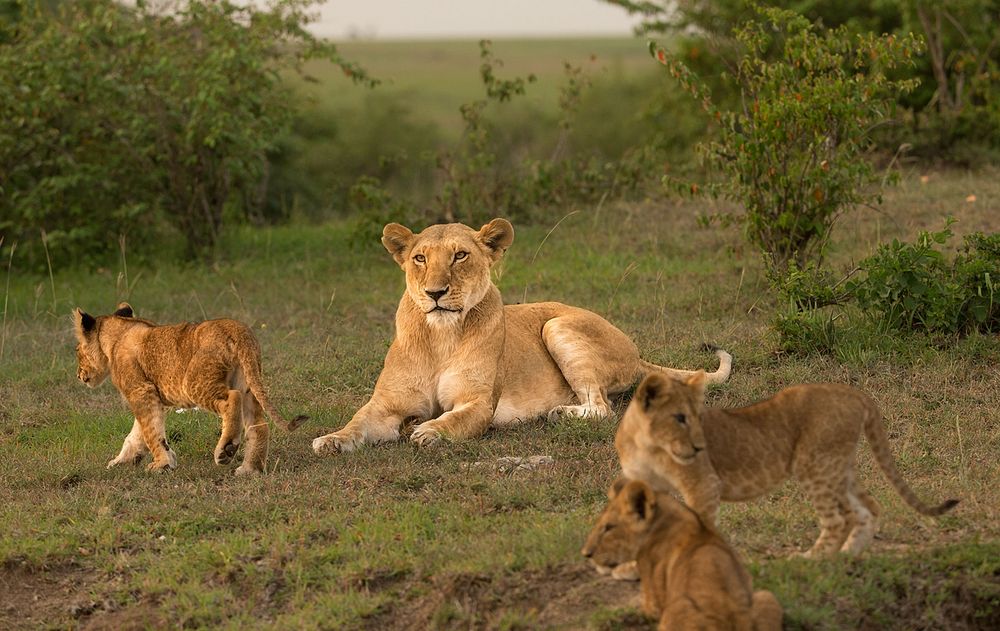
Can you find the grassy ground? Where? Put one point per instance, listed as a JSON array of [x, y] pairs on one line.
[[399, 537], [436, 77]]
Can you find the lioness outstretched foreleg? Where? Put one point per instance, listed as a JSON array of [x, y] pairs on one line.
[[373, 423]]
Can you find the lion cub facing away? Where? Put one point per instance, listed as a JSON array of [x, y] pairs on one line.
[[214, 365], [690, 577], [667, 438]]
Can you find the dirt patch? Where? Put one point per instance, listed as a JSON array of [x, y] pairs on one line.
[[45, 597], [562, 597]]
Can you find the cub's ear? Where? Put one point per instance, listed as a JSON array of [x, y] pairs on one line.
[[640, 500], [697, 383], [497, 236], [124, 310], [617, 486], [653, 388], [397, 239], [83, 324]]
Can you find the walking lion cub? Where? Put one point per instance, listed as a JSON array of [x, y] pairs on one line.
[[214, 365], [690, 577], [667, 438]]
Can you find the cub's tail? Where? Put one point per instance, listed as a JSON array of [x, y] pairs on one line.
[[248, 354], [719, 376], [879, 442]]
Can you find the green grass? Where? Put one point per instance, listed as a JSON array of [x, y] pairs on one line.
[[436, 77], [395, 533]]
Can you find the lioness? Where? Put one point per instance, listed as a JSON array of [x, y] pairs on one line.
[[811, 432], [689, 576], [461, 359], [214, 365]]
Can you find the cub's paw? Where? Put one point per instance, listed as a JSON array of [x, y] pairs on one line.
[[626, 572], [426, 434], [336, 442], [224, 454], [164, 464], [132, 459], [246, 470]]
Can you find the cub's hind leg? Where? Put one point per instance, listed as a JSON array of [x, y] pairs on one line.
[[257, 434], [595, 358], [133, 449], [866, 511], [207, 384]]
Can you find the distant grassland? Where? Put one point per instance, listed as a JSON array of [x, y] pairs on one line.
[[437, 76]]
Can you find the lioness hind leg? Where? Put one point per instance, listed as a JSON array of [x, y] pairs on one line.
[[133, 449], [766, 611], [594, 357]]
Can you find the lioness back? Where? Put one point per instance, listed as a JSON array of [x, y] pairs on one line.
[[810, 432], [214, 365]]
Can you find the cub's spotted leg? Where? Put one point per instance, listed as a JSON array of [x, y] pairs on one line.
[[594, 357], [154, 434], [866, 511], [206, 385], [230, 409], [133, 449], [257, 434], [831, 504]]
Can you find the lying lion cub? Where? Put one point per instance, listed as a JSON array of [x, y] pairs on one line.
[[214, 365], [811, 432], [690, 577], [462, 360]]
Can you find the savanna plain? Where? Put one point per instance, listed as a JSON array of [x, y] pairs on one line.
[[400, 537]]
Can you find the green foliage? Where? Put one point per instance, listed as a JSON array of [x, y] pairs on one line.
[[913, 287], [793, 153], [117, 121]]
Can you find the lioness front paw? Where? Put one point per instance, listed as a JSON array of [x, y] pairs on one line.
[[335, 442], [426, 434]]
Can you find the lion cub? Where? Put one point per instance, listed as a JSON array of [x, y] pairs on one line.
[[667, 438], [690, 577], [214, 365]]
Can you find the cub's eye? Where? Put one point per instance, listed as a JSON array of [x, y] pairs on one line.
[[460, 255], [680, 418], [608, 527], [420, 258]]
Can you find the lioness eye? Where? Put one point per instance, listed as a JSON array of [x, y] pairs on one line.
[[680, 418], [420, 258], [460, 255]]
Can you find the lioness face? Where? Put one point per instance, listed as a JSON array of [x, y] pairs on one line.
[[448, 266], [668, 412], [617, 535], [92, 365]]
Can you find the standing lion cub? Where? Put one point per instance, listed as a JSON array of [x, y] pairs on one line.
[[690, 577], [214, 365], [462, 361], [670, 440]]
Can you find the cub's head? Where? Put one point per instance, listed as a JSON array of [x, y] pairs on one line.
[[448, 265], [621, 528], [92, 364], [665, 413]]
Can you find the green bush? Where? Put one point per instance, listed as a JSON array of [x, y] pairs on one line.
[[793, 153], [118, 121]]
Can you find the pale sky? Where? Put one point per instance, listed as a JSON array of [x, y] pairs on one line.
[[405, 19]]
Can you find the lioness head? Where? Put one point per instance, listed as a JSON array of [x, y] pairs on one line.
[[619, 531], [92, 364], [665, 414], [448, 265]]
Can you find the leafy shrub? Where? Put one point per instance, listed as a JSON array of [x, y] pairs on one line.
[[117, 120], [793, 154]]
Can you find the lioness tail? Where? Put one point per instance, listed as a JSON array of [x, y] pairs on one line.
[[879, 442], [719, 376]]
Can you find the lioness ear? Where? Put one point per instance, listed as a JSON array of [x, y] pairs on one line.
[[83, 323], [124, 310], [697, 383], [497, 235], [397, 239], [640, 500]]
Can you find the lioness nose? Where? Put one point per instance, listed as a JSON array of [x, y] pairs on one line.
[[435, 294]]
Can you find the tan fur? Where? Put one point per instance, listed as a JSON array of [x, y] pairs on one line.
[[214, 365], [690, 577], [809, 432], [461, 360]]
